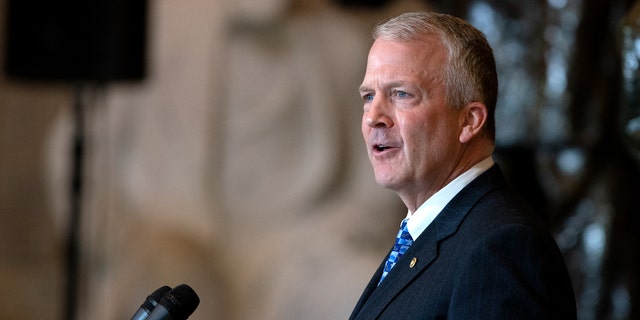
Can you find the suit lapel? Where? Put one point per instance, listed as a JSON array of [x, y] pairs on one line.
[[424, 250], [375, 299]]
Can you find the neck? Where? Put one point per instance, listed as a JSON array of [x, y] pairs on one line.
[[414, 198]]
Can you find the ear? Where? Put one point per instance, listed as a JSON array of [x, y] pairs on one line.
[[474, 115]]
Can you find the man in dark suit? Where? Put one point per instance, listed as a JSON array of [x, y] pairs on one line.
[[470, 248]]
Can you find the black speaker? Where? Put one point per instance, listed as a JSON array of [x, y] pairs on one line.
[[76, 40]]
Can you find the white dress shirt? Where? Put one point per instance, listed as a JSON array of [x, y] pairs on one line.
[[429, 210]]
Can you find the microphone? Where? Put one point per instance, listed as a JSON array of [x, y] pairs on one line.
[[150, 303], [178, 304]]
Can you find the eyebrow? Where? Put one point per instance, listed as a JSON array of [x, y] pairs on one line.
[[392, 84], [364, 89]]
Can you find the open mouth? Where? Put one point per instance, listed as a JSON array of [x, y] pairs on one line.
[[380, 147]]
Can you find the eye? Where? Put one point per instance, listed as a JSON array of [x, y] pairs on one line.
[[367, 97], [400, 94]]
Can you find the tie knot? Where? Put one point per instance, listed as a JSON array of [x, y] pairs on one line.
[[403, 233]]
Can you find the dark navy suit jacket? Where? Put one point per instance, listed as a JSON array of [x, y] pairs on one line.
[[486, 256]]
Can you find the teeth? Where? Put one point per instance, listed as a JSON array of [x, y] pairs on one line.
[[381, 147]]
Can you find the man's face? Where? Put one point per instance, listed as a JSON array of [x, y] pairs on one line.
[[412, 135]]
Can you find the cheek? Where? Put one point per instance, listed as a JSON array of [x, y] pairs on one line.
[[416, 131], [425, 140]]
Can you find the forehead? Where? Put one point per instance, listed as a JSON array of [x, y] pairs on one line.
[[409, 58]]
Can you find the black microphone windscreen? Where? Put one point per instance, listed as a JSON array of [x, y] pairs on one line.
[[181, 301]]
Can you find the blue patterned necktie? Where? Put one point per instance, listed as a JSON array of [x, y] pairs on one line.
[[403, 242]]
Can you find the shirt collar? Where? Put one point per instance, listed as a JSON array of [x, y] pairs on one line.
[[429, 210]]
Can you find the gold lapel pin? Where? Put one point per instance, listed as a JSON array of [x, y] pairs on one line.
[[413, 262]]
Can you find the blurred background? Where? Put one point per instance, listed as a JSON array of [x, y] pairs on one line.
[[217, 143]]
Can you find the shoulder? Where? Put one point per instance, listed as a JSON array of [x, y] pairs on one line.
[[519, 266]]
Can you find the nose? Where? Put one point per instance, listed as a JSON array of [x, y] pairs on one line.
[[377, 116]]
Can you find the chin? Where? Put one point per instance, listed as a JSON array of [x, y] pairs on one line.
[[386, 182]]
